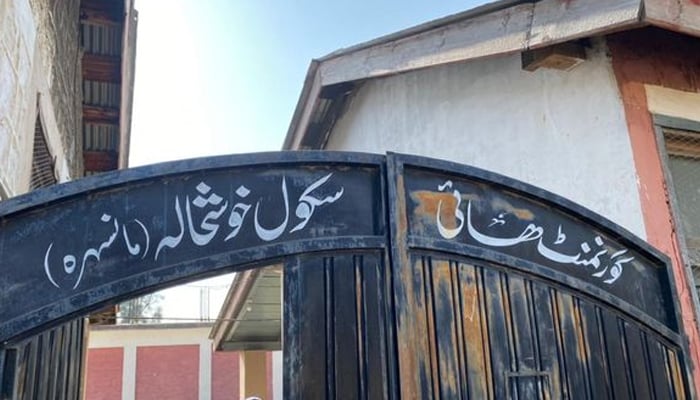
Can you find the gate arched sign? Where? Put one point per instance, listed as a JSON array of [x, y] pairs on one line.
[[411, 268], [109, 237]]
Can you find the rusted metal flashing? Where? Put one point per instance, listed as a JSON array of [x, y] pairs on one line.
[[675, 15], [305, 107]]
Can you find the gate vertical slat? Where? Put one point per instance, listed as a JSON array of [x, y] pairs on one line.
[[21, 374], [335, 344], [595, 352], [7, 380], [446, 329], [475, 339], [413, 358], [615, 351], [291, 338], [659, 372], [305, 317], [526, 378], [377, 356], [44, 373], [572, 344], [499, 342], [423, 265], [550, 354], [2, 370], [32, 365], [69, 374], [676, 376], [638, 362], [53, 363], [62, 358], [8, 366], [346, 334], [457, 315]]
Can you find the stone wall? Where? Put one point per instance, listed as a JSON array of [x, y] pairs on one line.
[[39, 72], [58, 23]]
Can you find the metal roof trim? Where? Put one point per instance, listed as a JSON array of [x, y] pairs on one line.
[[129, 34], [236, 297]]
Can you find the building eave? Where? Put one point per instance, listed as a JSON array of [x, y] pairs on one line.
[[304, 107], [499, 28], [108, 30], [233, 304], [682, 16], [127, 86], [250, 317]]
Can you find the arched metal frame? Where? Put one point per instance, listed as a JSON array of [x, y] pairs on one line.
[[76, 247]]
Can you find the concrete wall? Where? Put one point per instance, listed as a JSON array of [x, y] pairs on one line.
[[39, 70], [562, 131]]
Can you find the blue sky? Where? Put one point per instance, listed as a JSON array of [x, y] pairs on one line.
[[223, 76]]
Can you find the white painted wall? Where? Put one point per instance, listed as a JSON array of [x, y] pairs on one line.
[[24, 77], [562, 131]]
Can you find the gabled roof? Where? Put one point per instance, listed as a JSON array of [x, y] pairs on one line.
[[502, 27]]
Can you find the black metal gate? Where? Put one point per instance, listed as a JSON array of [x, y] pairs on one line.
[[404, 277], [487, 288]]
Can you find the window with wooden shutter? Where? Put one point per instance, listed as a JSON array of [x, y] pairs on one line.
[[683, 150], [42, 162]]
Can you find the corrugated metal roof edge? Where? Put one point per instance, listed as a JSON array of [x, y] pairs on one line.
[[126, 327], [237, 295]]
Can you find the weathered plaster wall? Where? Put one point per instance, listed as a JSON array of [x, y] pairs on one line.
[[59, 45], [643, 60], [39, 66], [562, 131]]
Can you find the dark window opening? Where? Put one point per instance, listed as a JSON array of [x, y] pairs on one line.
[[43, 174]]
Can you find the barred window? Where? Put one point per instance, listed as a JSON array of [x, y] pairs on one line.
[[683, 150]]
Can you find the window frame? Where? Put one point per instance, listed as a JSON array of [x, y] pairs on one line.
[[660, 122], [40, 137]]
